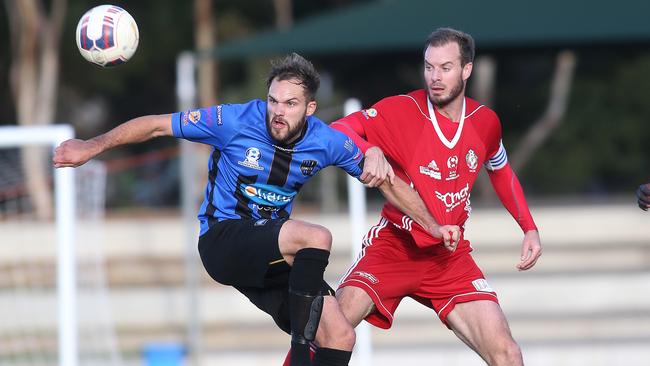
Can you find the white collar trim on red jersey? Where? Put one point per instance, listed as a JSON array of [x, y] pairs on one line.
[[441, 136]]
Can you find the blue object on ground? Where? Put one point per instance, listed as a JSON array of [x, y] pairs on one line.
[[164, 354]]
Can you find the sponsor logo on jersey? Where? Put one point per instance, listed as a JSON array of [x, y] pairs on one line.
[[307, 167], [369, 276], [252, 158], [431, 170], [266, 208], [482, 285], [267, 195], [453, 199], [452, 164], [219, 121], [472, 160]]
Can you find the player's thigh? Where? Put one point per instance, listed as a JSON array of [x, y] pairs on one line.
[[481, 325], [355, 304], [334, 330], [240, 252], [296, 235]]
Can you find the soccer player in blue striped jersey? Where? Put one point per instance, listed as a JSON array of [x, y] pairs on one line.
[[264, 151]]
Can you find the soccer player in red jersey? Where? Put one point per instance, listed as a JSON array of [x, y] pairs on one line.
[[437, 139]]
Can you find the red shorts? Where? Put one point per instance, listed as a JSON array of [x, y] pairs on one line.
[[391, 267]]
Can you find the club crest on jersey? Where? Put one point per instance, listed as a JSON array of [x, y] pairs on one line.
[[194, 116], [307, 167], [472, 160], [452, 164], [431, 170], [252, 159]]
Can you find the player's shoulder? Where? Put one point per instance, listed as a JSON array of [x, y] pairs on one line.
[[319, 132], [413, 102], [255, 106], [416, 98], [321, 137], [479, 113]]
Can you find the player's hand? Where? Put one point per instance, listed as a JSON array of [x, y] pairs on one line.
[[450, 235], [643, 196], [376, 168], [73, 153], [531, 250]]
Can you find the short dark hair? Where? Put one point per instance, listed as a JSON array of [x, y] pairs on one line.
[[443, 36], [294, 66]]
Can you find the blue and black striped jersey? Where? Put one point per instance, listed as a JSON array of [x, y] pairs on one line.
[[249, 175]]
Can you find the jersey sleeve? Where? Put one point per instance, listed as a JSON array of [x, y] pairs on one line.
[[344, 153], [381, 126], [214, 125], [352, 127], [511, 194], [496, 152]]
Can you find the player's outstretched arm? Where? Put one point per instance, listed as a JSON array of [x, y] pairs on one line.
[[509, 190], [75, 152], [407, 200], [643, 196]]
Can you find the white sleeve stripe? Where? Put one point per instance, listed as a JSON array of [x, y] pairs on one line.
[[499, 160]]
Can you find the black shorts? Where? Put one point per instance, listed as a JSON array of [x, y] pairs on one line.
[[245, 254], [240, 252]]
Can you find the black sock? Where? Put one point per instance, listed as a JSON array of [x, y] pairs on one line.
[[307, 271], [332, 357], [300, 354], [305, 282]]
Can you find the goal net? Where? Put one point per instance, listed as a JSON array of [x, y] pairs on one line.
[[53, 286]]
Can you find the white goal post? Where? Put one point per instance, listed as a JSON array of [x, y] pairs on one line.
[[64, 186]]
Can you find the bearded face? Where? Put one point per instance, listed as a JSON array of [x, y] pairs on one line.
[[444, 76], [287, 110]]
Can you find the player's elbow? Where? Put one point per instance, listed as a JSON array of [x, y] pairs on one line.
[[161, 125]]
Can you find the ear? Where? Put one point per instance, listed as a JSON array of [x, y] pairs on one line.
[[467, 70], [311, 107]]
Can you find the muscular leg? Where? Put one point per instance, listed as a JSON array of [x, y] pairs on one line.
[[355, 304], [334, 330], [306, 247], [484, 328]]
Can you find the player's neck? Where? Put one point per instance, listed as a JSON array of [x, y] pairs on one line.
[[453, 109]]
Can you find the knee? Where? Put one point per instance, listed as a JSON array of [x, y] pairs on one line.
[[319, 237], [348, 337], [341, 337], [508, 353], [334, 330]]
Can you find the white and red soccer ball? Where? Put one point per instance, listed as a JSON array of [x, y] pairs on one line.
[[107, 35]]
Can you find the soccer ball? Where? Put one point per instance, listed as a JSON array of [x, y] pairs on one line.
[[107, 35]]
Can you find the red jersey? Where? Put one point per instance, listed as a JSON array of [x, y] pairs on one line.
[[440, 158]]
